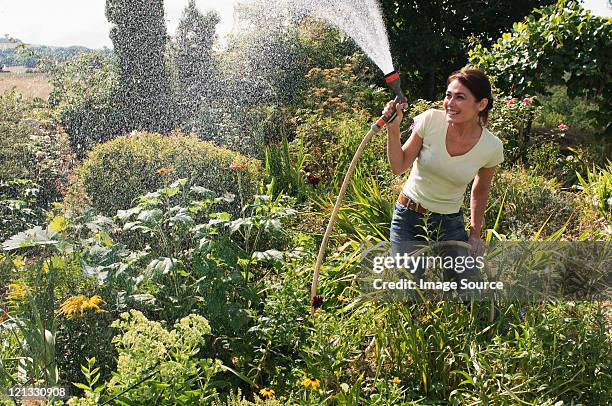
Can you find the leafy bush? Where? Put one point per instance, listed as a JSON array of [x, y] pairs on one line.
[[157, 365], [35, 159], [115, 173], [549, 161], [85, 97], [528, 202], [345, 89], [559, 108], [511, 120], [562, 44], [332, 142]]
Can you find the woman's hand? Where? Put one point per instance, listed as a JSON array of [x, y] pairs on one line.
[[478, 245], [388, 111]]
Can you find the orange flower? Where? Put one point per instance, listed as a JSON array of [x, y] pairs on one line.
[[162, 171], [237, 165]]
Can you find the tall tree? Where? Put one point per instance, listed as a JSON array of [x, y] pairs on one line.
[[139, 39], [195, 66], [430, 38]]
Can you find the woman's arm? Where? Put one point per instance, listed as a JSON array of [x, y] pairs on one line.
[[480, 195], [401, 157]]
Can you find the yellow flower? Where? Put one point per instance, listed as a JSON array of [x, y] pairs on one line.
[[45, 267], [18, 262], [58, 224], [267, 392], [79, 304], [17, 292], [396, 380], [343, 298], [311, 383]]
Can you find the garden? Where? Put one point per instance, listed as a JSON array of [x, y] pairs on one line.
[[159, 234]]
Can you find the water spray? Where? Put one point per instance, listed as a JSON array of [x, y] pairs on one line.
[[393, 80]]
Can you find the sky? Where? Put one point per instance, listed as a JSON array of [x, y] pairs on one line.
[[82, 22]]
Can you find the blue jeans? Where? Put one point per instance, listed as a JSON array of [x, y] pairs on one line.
[[411, 230]]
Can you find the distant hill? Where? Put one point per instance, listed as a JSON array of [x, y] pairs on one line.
[[7, 42], [14, 52]]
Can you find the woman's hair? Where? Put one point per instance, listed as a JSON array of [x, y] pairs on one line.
[[479, 85]]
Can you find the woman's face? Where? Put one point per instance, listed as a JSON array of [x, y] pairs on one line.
[[460, 104]]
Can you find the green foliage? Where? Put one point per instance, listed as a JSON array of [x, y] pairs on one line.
[[597, 189], [19, 207], [560, 45], [429, 39], [85, 97], [547, 160], [281, 328], [512, 120], [142, 162], [332, 142], [161, 363], [343, 89], [559, 108], [40, 57], [139, 38], [366, 212], [285, 165], [554, 350], [236, 399], [530, 201], [35, 159]]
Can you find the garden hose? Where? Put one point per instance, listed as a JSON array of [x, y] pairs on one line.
[[393, 80]]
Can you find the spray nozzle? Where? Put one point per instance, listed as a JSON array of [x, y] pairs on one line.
[[393, 80]]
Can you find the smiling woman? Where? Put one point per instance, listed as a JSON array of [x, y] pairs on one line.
[[447, 150]]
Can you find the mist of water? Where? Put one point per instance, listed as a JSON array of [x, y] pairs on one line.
[[359, 19]]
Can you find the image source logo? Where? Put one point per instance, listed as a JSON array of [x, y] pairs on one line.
[[517, 270]]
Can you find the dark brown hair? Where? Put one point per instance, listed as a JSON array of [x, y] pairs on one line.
[[478, 83]]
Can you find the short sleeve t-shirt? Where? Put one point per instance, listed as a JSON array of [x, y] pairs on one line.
[[438, 181]]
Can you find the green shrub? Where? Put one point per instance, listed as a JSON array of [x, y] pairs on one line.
[[559, 108], [529, 200], [85, 97], [115, 173], [35, 159], [549, 161], [512, 120], [332, 142]]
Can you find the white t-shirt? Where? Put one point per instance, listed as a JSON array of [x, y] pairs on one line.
[[438, 181]]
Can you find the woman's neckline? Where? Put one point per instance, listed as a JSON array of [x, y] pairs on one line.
[[482, 130]]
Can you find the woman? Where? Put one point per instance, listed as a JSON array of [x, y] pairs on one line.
[[446, 151]]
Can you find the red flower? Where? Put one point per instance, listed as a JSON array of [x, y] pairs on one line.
[[526, 100], [562, 126], [312, 178], [237, 165], [510, 102]]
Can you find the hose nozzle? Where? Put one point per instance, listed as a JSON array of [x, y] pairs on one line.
[[393, 80]]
